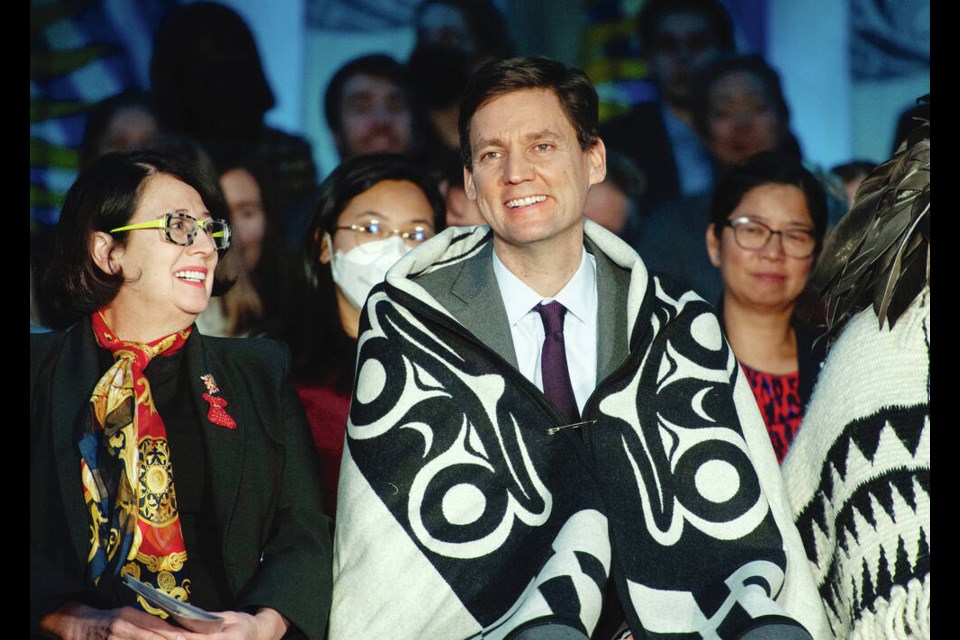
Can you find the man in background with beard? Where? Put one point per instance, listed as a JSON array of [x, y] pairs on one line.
[[368, 107]]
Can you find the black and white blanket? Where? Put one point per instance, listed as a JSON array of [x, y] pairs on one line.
[[462, 515]]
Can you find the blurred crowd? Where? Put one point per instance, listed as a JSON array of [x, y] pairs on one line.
[[707, 183]]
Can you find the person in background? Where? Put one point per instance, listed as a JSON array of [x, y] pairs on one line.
[[207, 80], [677, 37], [452, 39], [768, 217], [513, 495], [258, 235], [461, 210], [371, 210], [158, 453], [739, 109], [122, 122], [614, 203], [858, 474], [852, 174], [368, 108]]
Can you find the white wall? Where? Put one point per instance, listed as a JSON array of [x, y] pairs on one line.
[[807, 42], [835, 117]]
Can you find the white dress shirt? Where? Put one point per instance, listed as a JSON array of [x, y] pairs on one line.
[[579, 296]]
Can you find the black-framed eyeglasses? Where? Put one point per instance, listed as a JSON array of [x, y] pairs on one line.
[[754, 235], [377, 230], [181, 229]]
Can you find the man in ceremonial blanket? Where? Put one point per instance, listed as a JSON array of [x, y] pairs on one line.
[[476, 499]]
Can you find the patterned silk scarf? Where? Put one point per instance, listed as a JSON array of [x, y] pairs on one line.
[[127, 474]]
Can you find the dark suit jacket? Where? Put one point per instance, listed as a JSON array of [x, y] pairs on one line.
[[265, 476], [641, 134]]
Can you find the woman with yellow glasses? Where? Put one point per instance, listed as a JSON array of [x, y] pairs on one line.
[[160, 456]]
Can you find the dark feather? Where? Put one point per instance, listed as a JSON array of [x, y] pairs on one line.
[[878, 254]]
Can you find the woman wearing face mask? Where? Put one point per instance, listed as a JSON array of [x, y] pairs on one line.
[[371, 210]]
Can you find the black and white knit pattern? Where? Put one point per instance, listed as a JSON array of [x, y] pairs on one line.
[[858, 477]]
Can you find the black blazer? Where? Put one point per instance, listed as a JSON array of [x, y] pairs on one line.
[[642, 135], [265, 475]]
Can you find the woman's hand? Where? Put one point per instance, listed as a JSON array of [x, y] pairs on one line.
[[74, 621], [267, 624]]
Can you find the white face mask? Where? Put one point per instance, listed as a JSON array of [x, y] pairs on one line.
[[357, 271]]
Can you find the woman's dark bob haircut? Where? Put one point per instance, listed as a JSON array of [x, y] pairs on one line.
[[105, 196]]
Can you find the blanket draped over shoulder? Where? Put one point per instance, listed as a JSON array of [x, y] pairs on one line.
[[859, 482], [463, 514]]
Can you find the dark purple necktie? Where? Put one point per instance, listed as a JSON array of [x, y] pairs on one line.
[[553, 361]]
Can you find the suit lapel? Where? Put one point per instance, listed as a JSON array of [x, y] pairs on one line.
[[476, 302], [613, 283]]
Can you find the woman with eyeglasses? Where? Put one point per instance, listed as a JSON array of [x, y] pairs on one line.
[[768, 218], [371, 210], [159, 456], [739, 109]]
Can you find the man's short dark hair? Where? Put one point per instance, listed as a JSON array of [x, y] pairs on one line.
[[377, 65], [648, 21], [577, 95]]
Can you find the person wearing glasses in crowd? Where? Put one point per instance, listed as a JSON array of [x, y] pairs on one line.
[[370, 211], [158, 453], [768, 220]]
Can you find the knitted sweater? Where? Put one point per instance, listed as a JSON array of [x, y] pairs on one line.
[[858, 478]]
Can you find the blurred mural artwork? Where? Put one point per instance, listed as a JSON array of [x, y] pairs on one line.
[[610, 51], [610, 56], [80, 54], [359, 15], [889, 38]]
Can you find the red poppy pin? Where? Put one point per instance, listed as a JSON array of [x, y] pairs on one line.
[[217, 414]]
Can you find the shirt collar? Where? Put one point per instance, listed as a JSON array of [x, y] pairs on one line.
[[579, 295]]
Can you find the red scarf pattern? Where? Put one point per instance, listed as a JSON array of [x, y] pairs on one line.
[[134, 528]]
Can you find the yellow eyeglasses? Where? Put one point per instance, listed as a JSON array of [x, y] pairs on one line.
[[181, 229]]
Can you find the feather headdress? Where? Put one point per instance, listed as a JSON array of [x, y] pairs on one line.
[[879, 253]]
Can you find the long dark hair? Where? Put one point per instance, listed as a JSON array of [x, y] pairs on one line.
[[276, 267], [323, 352]]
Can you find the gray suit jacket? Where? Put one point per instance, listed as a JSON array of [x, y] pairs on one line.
[[470, 293]]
